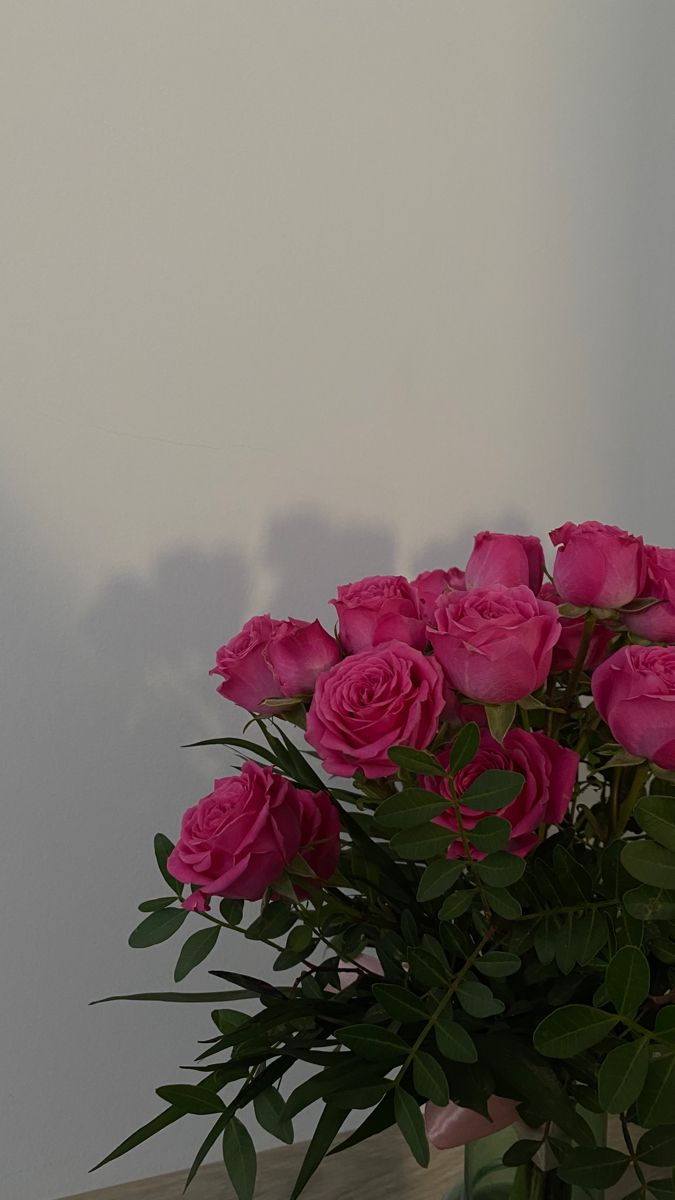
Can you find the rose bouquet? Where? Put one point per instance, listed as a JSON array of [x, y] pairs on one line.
[[458, 814]]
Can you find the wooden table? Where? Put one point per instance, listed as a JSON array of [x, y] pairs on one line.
[[380, 1169]]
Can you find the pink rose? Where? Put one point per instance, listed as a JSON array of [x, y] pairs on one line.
[[657, 623], [273, 659], [598, 565], [298, 652], [389, 696], [429, 586], [550, 772], [634, 692], [566, 649], [507, 559], [378, 609], [237, 841], [495, 644]]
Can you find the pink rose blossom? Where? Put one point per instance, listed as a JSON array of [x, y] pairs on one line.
[[429, 586], [271, 660], [598, 565], [549, 770], [391, 695], [507, 559], [237, 841], [298, 652], [634, 692], [495, 644], [378, 609], [566, 649], [657, 623]]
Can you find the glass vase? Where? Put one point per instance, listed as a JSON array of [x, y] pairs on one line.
[[486, 1177]]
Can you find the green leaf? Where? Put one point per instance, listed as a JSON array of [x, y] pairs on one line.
[[380, 1119], [156, 905], [656, 815], [497, 964], [409, 808], [490, 834], [477, 999], [456, 904], [592, 935], [453, 1041], [650, 904], [650, 863], [492, 790], [521, 1152], [622, 1076], [661, 1189], [275, 920], [464, 746], [570, 1030], [163, 847], [209, 1141], [627, 980], [372, 1042], [571, 877], [270, 1112], [240, 1158], [399, 1003], [227, 1019], [231, 911], [656, 1147], [664, 1026], [500, 870], [411, 1123], [593, 1167], [327, 1129], [424, 841], [438, 878], [191, 1098], [158, 927], [419, 762], [656, 1105], [181, 997], [567, 943], [503, 903], [429, 1079], [428, 969], [161, 1121], [197, 947], [500, 718], [545, 940]]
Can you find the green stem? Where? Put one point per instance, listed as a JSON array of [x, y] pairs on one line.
[[443, 1004], [580, 660], [585, 906], [466, 845], [626, 809]]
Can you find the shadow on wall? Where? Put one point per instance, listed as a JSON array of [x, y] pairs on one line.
[[97, 706]]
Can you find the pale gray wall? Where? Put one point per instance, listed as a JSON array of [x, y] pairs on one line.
[[293, 291]]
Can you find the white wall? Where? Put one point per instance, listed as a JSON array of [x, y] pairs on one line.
[[293, 291]]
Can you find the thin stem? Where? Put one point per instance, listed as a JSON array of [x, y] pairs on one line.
[[442, 1005], [567, 908], [626, 809], [466, 845], [631, 1150], [580, 660]]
